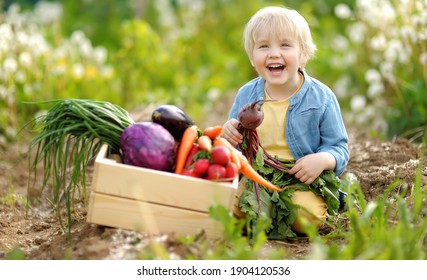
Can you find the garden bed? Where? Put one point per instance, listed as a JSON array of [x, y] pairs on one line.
[[37, 232]]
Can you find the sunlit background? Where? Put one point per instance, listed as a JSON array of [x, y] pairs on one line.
[[140, 53]]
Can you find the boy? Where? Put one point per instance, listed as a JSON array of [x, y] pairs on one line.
[[304, 123]]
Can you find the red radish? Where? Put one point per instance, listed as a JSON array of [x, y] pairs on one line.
[[231, 170], [201, 166], [215, 172], [221, 155], [190, 173]]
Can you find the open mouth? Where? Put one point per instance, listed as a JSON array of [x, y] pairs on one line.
[[276, 67]]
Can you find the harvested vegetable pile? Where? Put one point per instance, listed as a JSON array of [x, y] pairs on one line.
[[71, 133]]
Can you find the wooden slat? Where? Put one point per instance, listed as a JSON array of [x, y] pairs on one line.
[[131, 214]]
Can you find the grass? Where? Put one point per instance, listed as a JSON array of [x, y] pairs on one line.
[[11, 197], [391, 227]]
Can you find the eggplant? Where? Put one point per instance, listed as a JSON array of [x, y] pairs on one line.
[[174, 119]]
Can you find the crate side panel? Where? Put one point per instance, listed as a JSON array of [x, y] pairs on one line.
[[161, 187], [125, 213]]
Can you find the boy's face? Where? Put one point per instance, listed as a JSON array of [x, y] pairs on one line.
[[277, 59]]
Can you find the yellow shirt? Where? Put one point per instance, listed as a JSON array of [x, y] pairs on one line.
[[272, 131]]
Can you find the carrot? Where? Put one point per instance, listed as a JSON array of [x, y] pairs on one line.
[[247, 170], [244, 166], [213, 131], [188, 138], [220, 141], [205, 143]]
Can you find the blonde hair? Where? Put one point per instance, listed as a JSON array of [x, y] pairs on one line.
[[280, 20]]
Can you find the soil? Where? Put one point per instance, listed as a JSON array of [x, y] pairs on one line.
[[37, 234]]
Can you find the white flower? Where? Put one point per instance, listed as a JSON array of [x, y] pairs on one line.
[[387, 71], [6, 32], [342, 11], [100, 54], [10, 65], [408, 31], [78, 71], [214, 93], [375, 89], [60, 52], [38, 44], [167, 15], [341, 86], [356, 32], [20, 76], [86, 48], [357, 103], [350, 58], [340, 43], [22, 38], [378, 42], [78, 37], [25, 59], [397, 52], [47, 12], [372, 76]]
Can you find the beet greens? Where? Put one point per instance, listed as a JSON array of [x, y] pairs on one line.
[[278, 207]]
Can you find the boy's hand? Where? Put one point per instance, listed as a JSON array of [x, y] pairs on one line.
[[309, 167], [230, 132]]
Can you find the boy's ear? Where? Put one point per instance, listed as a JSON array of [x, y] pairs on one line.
[[303, 61], [252, 61]]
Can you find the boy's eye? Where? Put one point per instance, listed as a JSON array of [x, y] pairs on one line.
[[263, 46]]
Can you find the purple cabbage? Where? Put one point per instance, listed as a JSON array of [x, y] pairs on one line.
[[149, 145]]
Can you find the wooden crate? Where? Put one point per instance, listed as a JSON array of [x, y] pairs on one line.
[[153, 201]]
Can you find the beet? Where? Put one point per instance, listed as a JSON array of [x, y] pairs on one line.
[[251, 116], [149, 145]]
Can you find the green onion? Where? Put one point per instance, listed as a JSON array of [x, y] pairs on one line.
[[69, 136]]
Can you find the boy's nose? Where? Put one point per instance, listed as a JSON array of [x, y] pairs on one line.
[[273, 53]]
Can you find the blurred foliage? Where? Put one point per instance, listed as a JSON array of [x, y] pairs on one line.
[[190, 53], [100, 20], [373, 54]]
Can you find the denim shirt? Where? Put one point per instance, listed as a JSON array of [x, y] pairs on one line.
[[313, 122]]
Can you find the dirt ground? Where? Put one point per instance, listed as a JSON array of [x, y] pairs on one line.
[[37, 233]]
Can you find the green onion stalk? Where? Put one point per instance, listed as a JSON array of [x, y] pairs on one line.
[[70, 135]]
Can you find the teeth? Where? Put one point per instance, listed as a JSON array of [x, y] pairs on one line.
[[275, 65]]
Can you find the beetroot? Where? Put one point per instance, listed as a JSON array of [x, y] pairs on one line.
[[251, 116], [149, 145]]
